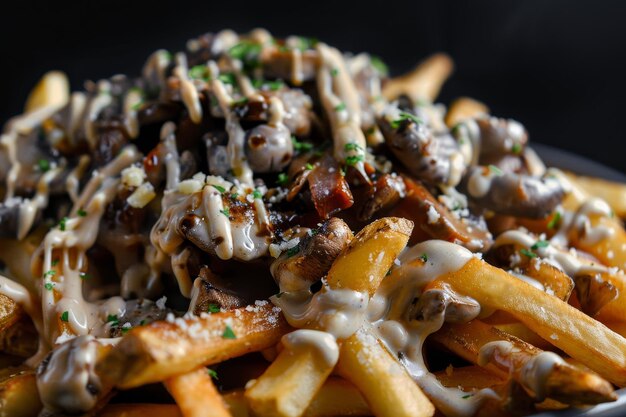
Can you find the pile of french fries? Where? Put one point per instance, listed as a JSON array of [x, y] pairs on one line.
[[198, 359]]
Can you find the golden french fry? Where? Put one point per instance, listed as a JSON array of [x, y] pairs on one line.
[[465, 108], [522, 332], [10, 312], [468, 378], [512, 356], [609, 249], [140, 410], [18, 394], [367, 259], [53, 89], [422, 83], [20, 339], [580, 336], [196, 395], [288, 386], [384, 383], [162, 349], [612, 192]]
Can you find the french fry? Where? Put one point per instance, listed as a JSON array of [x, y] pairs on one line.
[[162, 349], [464, 108], [290, 383], [562, 382], [612, 192], [140, 410], [422, 83], [195, 394], [10, 312], [611, 249], [520, 331], [569, 329], [288, 386], [18, 394], [468, 378], [337, 397], [365, 261], [53, 89], [20, 339], [384, 383]]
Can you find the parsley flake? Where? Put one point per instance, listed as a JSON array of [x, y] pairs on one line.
[[308, 167], [465, 397], [81, 213], [112, 318], [379, 65], [84, 275], [354, 159], [199, 72], [340, 107], [293, 251], [495, 170], [424, 257], [219, 188], [257, 194], [516, 148], [227, 78], [54, 262], [405, 116], [62, 224], [49, 274], [212, 373], [213, 308], [301, 146], [225, 212], [555, 220], [352, 147], [43, 165], [334, 72], [48, 286], [228, 333], [540, 244], [528, 253], [283, 179], [65, 316]]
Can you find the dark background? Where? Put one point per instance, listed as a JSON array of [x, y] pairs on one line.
[[557, 66]]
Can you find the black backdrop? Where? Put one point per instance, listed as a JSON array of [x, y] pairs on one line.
[[558, 66]]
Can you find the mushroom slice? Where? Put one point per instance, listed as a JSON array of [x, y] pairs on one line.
[[593, 292]]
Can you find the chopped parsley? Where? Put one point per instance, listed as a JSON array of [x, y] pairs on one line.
[[272, 85], [379, 65], [142, 323], [112, 318], [81, 213], [306, 43], [528, 253], [354, 159], [300, 146], [334, 72], [516, 148], [84, 275], [234, 195], [43, 165], [48, 286], [49, 274], [213, 308], [212, 373], [555, 220], [308, 167], [465, 397], [225, 212], [340, 107], [227, 78], [405, 116], [54, 262], [293, 251], [219, 188], [495, 170], [283, 179], [62, 224], [247, 52], [257, 194], [240, 102], [540, 244], [65, 316], [370, 131], [126, 329], [199, 72], [228, 333], [352, 147], [424, 257]]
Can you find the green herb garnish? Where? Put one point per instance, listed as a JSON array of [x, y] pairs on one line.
[[353, 147], [293, 251], [48, 286], [219, 188], [84, 275], [540, 244], [54, 262], [199, 72], [49, 274], [214, 308], [555, 220], [379, 65], [354, 159], [43, 165], [301, 146], [424, 257], [228, 333], [112, 318], [340, 107], [495, 170], [81, 213], [405, 116], [334, 72], [528, 253], [516, 148], [227, 78], [283, 179], [212, 373], [225, 212], [257, 194], [308, 167], [65, 316], [62, 224]]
